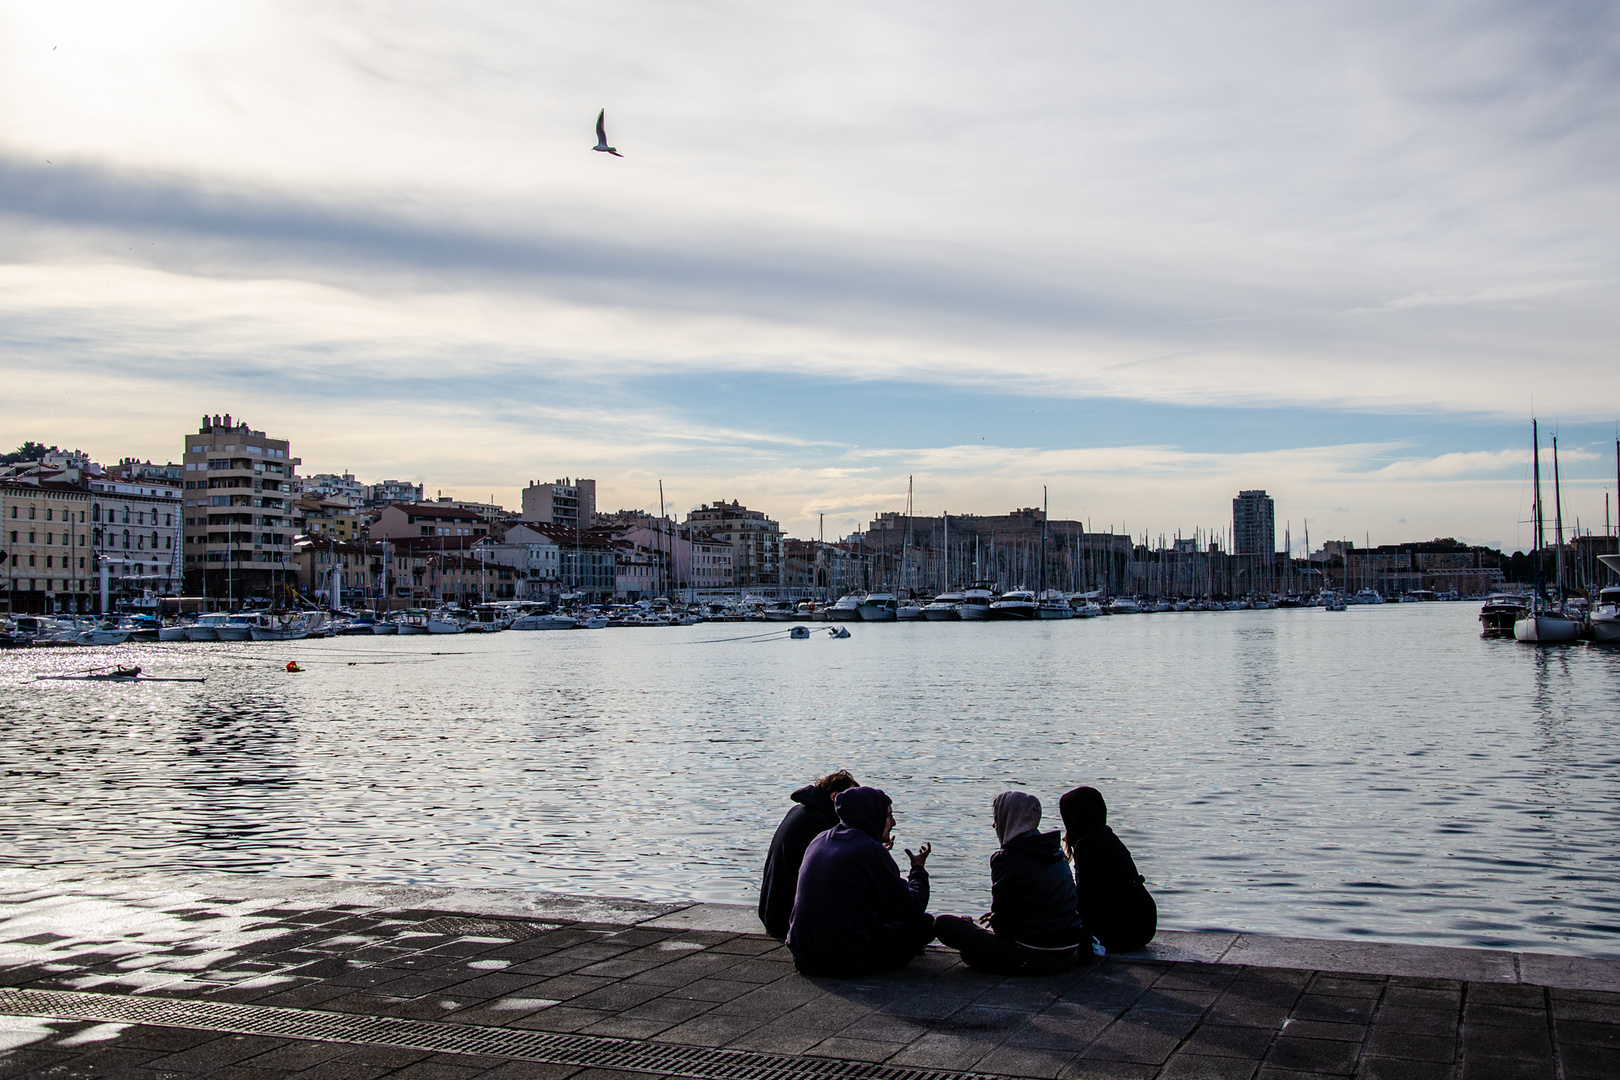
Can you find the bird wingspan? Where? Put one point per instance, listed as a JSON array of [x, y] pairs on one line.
[[601, 127]]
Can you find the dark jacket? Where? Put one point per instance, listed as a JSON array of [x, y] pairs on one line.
[[849, 886], [813, 816], [1114, 904], [1032, 897]]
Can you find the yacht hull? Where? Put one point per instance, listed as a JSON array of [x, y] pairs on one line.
[[1606, 627], [1546, 629]]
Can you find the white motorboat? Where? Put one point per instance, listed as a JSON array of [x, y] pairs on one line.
[[102, 635], [412, 622], [1163, 605], [172, 633], [781, 611], [1605, 617], [597, 622], [847, 609], [444, 624], [206, 628], [1125, 605], [910, 611], [278, 633], [879, 607], [945, 607], [1054, 605], [1369, 596], [1015, 604], [236, 627], [1500, 612], [976, 601], [556, 622], [385, 626]]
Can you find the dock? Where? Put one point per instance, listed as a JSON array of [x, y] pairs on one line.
[[239, 977]]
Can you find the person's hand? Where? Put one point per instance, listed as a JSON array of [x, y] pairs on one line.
[[888, 845], [984, 920], [920, 857]]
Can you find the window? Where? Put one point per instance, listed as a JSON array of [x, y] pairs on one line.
[[48, 513], [126, 538], [47, 539], [30, 513]]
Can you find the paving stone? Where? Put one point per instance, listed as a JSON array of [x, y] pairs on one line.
[[1324, 1029], [1600, 1012], [1416, 997], [624, 1026], [848, 1049], [1132, 1043], [1025, 1061], [559, 1018], [1525, 997], [716, 990], [1373, 1067], [1217, 977], [1479, 1039], [1101, 1069], [1223, 1041], [1336, 1010], [1484, 1067], [1594, 1061], [1063, 1026], [1312, 1055], [1335, 985], [1404, 1044], [1417, 1021], [535, 1070], [884, 1027], [1186, 1066], [711, 1030], [219, 1051], [1502, 1015]]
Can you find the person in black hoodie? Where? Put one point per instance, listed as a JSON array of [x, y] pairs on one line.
[[1114, 903], [854, 913], [813, 815], [1034, 919]]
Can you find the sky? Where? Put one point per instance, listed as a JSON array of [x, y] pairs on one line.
[[1139, 256]]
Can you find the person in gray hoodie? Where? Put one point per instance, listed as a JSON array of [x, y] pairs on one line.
[[853, 912], [1035, 927]]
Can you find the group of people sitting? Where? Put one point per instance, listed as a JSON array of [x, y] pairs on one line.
[[834, 892]]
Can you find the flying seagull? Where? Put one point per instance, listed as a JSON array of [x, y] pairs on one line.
[[601, 135]]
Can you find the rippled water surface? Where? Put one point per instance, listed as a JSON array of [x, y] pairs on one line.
[[1381, 772]]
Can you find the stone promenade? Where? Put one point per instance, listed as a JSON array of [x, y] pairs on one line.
[[248, 978]]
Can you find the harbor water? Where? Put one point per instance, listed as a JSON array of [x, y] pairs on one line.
[[1381, 773]]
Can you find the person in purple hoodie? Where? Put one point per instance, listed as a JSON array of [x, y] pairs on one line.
[[853, 912]]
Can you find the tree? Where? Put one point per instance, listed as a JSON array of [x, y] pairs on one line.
[[28, 451]]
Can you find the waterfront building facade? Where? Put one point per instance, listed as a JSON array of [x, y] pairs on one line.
[[45, 547], [337, 486], [402, 521], [238, 510], [1254, 524], [138, 535], [756, 542], [571, 503]]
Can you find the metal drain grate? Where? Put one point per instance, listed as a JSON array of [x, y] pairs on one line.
[[586, 1051], [512, 929]]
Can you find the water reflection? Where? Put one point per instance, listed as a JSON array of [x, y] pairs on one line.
[[1379, 772]]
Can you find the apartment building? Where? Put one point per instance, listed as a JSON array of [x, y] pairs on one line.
[[45, 547], [571, 503], [756, 542], [137, 535], [238, 498]]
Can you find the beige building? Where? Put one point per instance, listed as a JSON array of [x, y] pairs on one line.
[[571, 503], [756, 542], [45, 545], [411, 521], [238, 511]]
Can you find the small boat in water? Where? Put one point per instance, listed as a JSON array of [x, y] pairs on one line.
[[117, 674], [1014, 604], [879, 607], [945, 607], [1605, 617], [847, 609], [976, 601], [553, 622], [801, 633], [1500, 612]]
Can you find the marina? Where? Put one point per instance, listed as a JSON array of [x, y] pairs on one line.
[[1383, 772]]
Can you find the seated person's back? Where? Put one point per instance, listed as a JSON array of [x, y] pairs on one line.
[[1113, 902], [853, 912]]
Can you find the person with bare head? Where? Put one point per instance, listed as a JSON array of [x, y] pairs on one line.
[[854, 913], [812, 814]]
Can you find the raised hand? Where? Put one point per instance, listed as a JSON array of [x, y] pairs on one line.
[[921, 856]]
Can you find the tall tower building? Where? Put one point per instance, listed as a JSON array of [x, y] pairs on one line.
[[1254, 524], [571, 503], [238, 512]]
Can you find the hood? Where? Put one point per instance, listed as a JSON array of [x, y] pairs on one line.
[[1083, 810], [1042, 846], [1015, 813], [864, 808], [814, 798]]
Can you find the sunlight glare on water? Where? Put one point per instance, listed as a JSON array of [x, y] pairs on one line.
[[1382, 772]]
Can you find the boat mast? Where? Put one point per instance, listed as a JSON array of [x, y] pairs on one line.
[[1040, 589], [1558, 524], [1536, 528]]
